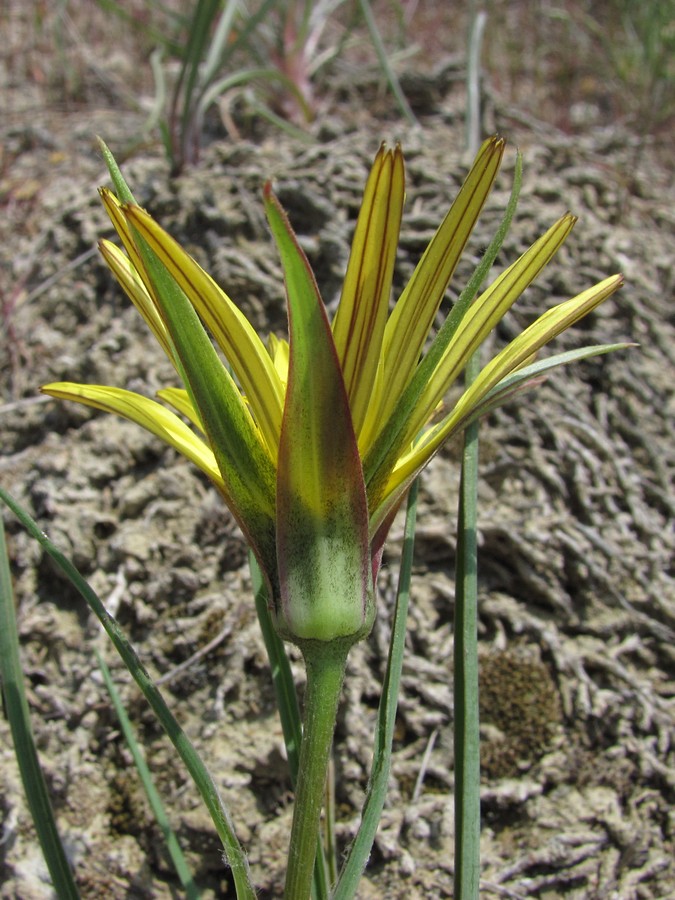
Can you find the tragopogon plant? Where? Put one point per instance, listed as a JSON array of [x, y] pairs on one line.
[[313, 443]]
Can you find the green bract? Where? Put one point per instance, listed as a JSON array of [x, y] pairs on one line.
[[313, 443]]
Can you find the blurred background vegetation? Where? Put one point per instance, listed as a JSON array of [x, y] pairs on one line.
[[572, 64]]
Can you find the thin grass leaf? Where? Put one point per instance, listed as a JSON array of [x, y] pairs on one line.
[[262, 74], [385, 65], [329, 834], [386, 719], [186, 131], [142, 24], [208, 52], [246, 38], [293, 131], [473, 79], [198, 37], [154, 117], [18, 716], [221, 40], [182, 869], [193, 762], [466, 725]]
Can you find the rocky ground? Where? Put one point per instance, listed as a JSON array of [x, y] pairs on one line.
[[577, 606]]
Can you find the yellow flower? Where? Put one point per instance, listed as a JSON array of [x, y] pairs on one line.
[[314, 443]]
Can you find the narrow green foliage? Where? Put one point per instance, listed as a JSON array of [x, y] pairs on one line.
[[18, 715], [193, 762], [241, 460], [385, 65], [172, 845]]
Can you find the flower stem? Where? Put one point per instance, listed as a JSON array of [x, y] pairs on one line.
[[325, 664], [466, 729]]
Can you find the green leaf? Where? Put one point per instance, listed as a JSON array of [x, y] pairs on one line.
[[242, 348], [122, 189], [18, 716], [172, 845], [385, 65], [244, 463], [322, 514], [535, 373]]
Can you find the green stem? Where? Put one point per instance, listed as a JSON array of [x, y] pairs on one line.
[[325, 663], [288, 708], [467, 734]]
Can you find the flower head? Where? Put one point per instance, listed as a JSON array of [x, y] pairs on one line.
[[314, 442]]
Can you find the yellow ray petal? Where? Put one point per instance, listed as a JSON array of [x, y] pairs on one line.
[[127, 275], [511, 358], [361, 317], [151, 415], [180, 400], [115, 211], [279, 352], [414, 313], [485, 313], [521, 350]]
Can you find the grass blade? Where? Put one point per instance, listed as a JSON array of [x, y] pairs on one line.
[[386, 718], [473, 84], [18, 715], [193, 762], [385, 65], [198, 37], [172, 845]]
